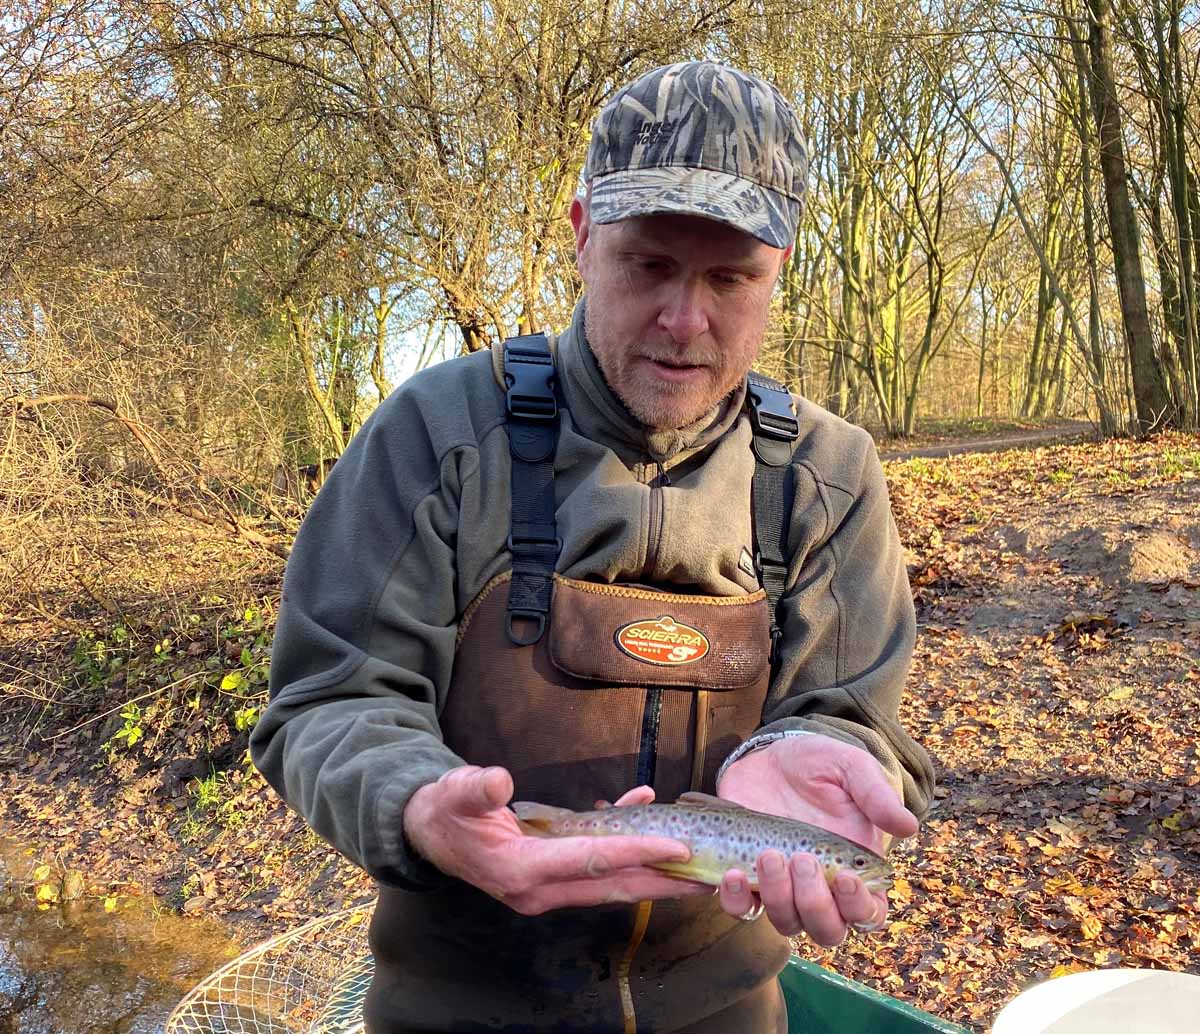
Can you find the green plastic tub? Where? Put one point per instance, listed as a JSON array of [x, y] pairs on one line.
[[821, 1002]]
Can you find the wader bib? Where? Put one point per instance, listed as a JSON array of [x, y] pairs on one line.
[[583, 690]]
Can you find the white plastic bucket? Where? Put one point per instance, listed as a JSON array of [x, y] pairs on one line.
[[1106, 1001]]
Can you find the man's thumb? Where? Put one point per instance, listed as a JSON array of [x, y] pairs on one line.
[[481, 790], [879, 801]]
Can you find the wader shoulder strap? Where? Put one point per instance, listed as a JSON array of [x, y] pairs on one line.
[[776, 429], [532, 425]]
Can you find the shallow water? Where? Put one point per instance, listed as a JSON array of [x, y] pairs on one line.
[[74, 968]]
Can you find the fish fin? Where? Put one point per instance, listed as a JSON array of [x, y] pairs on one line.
[[705, 800], [690, 871], [538, 818], [699, 870]]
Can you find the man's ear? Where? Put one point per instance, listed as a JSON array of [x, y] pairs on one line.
[[582, 224], [787, 255]]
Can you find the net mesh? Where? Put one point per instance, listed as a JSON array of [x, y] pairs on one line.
[[310, 980]]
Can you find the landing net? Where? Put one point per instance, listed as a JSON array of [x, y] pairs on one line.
[[310, 980]]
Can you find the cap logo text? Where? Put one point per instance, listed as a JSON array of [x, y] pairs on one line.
[[652, 132]]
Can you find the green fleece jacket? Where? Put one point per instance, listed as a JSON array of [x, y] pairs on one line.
[[412, 524]]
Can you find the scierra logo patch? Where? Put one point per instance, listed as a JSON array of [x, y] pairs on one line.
[[662, 641]]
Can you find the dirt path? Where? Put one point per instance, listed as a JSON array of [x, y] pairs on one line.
[[1060, 433]]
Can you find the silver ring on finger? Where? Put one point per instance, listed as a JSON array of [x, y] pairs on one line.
[[871, 925], [752, 914]]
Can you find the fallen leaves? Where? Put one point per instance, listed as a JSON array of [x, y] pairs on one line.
[[1061, 704], [1062, 707]]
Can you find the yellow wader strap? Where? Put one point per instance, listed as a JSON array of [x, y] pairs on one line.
[[635, 942]]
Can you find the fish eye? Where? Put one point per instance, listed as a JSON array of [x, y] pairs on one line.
[[859, 861]]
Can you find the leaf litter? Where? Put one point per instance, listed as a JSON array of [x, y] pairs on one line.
[[1056, 683]]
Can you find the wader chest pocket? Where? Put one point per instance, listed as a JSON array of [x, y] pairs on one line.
[[627, 636]]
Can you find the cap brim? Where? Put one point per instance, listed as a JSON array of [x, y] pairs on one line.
[[766, 214]]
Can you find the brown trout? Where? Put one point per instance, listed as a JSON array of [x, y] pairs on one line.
[[721, 834]]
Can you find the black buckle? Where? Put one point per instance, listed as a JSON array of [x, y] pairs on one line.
[[771, 415], [535, 541], [530, 380]]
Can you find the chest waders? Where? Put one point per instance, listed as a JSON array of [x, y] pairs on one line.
[[583, 690]]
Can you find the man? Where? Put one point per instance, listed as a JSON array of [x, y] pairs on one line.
[[548, 577]]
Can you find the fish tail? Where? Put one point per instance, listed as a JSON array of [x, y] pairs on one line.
[[538, 819]]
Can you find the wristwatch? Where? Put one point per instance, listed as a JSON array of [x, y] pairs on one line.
[[757, 743]]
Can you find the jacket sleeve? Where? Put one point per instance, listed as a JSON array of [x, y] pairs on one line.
[[848, 620], [365, 640]]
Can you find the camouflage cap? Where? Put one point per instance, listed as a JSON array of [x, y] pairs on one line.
[[703, 139]]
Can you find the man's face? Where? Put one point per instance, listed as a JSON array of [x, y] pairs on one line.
[[676, 309]]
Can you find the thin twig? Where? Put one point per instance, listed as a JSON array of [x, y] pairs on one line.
[[158, 690], [64, 624]]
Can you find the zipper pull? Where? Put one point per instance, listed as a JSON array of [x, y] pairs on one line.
[[662, 479]]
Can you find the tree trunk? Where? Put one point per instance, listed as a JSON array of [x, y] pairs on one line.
[[983, 338], [1175, 150], [1174, 301], [302, 339], [383, 309], [1045, 303], [1094, 353], [1058, 373], [1154, 407]]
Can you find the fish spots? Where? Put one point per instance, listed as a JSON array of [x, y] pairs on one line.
[[726, 837]]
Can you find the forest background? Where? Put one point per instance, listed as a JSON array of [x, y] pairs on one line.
[[228, 229]]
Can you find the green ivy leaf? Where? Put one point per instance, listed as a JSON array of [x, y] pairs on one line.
[[245, 718]]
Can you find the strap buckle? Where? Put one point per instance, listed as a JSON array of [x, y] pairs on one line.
[[776, 639], [772, 414], [518, 540], [530, 379]]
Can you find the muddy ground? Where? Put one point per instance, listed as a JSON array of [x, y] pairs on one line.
[[1056, 683]]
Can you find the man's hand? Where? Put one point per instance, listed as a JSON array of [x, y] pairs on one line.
[[461, 825], [830, 784]]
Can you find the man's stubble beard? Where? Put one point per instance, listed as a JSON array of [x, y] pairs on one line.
[[647, 406]]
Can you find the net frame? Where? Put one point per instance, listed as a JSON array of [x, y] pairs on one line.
[[311, 980]]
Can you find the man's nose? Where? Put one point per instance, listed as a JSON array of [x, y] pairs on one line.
[[683, 315]]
